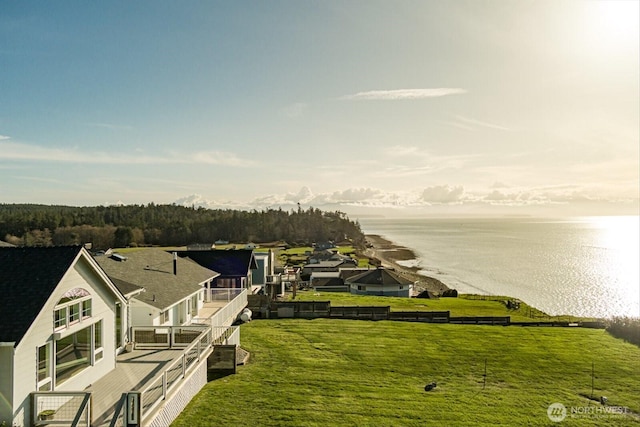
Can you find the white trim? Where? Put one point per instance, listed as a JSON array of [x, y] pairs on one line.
[[7, 344], [75, 328], [83, 252]]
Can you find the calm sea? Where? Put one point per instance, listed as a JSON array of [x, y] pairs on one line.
[[586, 266]]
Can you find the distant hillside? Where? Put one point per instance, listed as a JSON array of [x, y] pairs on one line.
[[170, 225]]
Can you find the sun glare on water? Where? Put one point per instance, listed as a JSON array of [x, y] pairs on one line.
[[620, 236]]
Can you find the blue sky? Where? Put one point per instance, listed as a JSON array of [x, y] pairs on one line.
[[391, 107]]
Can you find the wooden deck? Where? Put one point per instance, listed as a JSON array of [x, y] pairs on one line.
[[210, 308], [133, 372]]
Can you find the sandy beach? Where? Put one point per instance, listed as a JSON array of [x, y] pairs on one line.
[[388, 254]]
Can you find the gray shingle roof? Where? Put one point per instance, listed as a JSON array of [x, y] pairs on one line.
[[379, 276], [28, 276], [152, 269]]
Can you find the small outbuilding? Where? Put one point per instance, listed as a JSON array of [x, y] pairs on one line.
[[381, 282]]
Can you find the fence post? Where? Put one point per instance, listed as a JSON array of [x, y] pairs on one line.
[[184, 363], [164, 385]]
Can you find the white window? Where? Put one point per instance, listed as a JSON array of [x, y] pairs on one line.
[[44, 367], [194, 305], [74, 313], [60, 318], [73, 307], [74, 353], [164, 317], [86, 308]]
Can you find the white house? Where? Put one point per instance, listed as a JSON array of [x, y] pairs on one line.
[[380, 281], [162, 288], [62, 325]]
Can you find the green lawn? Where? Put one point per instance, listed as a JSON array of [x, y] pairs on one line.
[[327, 372], [464, 305]]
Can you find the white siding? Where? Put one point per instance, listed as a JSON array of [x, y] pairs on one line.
[[143, 314], [6, 382], [41, 330]]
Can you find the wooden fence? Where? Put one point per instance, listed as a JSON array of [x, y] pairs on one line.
[[323, 309]]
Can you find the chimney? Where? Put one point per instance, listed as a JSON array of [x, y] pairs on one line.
[[175, 263]]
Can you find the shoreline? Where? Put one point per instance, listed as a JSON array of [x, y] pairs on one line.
[[389, 255]]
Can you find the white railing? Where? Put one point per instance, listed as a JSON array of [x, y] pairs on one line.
[[68, 408], [166, 336], [153, 394], [223, 294], [228, 314], [225, 335]]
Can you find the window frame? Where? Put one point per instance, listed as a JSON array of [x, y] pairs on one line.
[[62, 313], [46, 383]]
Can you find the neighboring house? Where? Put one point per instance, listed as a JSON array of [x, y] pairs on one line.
[[328, 282], [324, 246], [162, 289], [235, 266], [380, 281], [62, 325], [265, 267], [326, 255], [326, 266]]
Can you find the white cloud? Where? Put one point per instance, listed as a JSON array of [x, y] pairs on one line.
[[443, 194], [4, 137], [305, 195], [24, 152], [218, 158], [470, 124], [402, 160], [433, 198], [402, 94]]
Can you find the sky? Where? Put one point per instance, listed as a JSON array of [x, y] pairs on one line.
[[369, 107]]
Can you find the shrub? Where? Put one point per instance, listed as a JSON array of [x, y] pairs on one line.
[[627, 328]]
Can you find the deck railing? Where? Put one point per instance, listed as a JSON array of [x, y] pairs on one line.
[[226, 335], [61, 408], [223, 294], [227, 314], [174, 374], [173, 337]]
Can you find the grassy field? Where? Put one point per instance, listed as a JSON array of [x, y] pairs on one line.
[[464, 305], [327, 372]]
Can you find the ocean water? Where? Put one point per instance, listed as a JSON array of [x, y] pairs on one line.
[[587, 266]]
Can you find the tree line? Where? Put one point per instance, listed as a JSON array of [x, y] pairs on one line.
[[169, 225]]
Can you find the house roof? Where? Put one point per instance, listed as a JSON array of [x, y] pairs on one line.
[[328, 264], [127, 289], [328, 281], [152, 269], [379, 276], [234, 262], [28, 277]]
